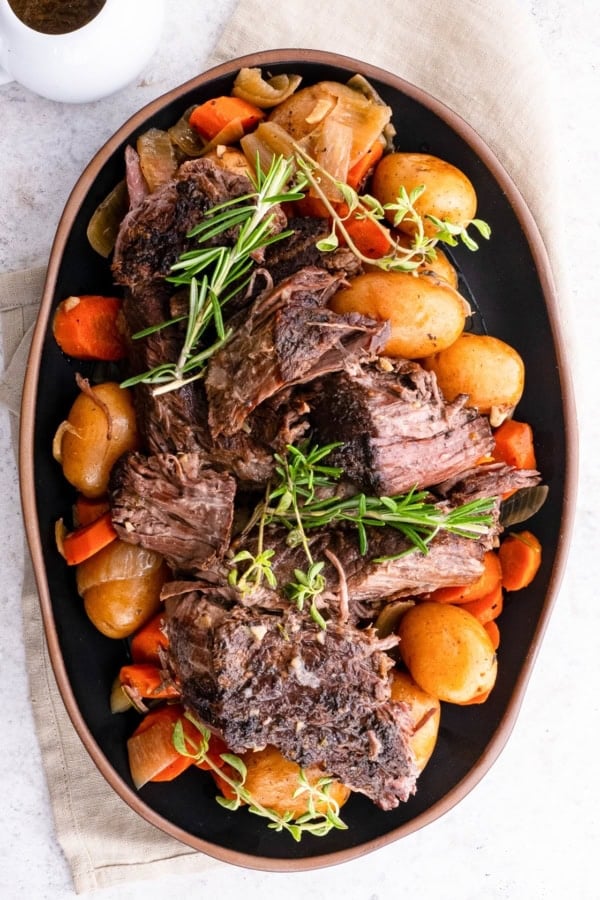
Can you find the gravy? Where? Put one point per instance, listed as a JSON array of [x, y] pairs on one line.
[[56, 16]]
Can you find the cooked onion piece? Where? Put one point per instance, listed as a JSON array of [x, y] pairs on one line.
[[158, 159], [106, 220], [120, 586], [184, 137], [303, 111], [250, 85], [101, 426], [267, 141]]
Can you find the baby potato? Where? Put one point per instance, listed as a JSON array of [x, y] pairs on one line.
[[424, 714], [441, 267], [425, 314], [447, 651], [273, 780], [120, 586], [490, 371], [100, 427], [448, 195]]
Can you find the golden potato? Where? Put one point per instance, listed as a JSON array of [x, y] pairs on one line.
[[447, 651], [442, 267], [425, 313], [424, 715], [486, 368], [273, 780], [100, 427], [448, 195], [120, 586]]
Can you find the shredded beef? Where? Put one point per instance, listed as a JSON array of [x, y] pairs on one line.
[[287, 337], [154, 233], [174, 505]]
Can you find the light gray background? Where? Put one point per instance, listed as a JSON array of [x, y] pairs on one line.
[[530, 830]]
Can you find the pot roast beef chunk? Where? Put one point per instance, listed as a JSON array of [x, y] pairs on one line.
[[372, 580], [178, 422], [174, 505], [154, 233], [299, 251], [287, 337], [387, 571], [486, 480], [397, 430], [321, 697]]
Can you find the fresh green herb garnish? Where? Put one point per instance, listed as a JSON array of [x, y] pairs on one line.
[[315, 822], [400, 258], [217, 273], [306, 496], [300, 509]]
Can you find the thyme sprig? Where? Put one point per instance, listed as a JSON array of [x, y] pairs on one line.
[[215, 274], [301, 509], [323, 811], [301, 474], [400, 258]]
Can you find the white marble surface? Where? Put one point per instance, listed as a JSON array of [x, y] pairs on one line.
[[531, 828]]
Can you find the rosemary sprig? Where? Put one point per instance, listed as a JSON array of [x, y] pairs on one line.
[[316, 821], [216, 273]]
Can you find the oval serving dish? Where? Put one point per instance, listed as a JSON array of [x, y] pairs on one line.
[[510, 283]]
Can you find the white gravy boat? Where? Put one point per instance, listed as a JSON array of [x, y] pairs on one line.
[[92, 62]]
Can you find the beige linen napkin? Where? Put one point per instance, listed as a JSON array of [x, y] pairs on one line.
[[480, 58]]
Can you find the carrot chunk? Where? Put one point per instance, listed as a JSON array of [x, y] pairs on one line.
[[147, 643], [487, 581], [513, 444], [147, 681], [87, 509], [370, 238], [212, 117], [151, 751], [493, 633], [357, 174], [486, 608], [152, 754], [520, 558], [90, 327], [84, 542]]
